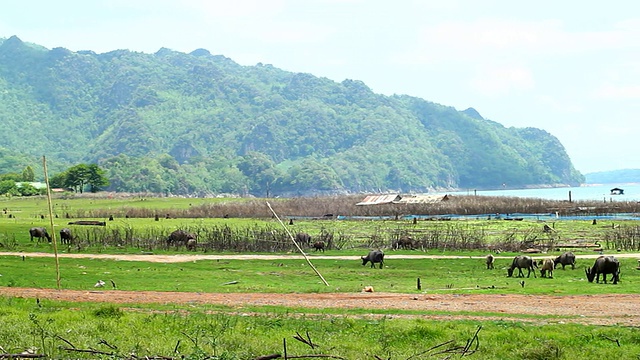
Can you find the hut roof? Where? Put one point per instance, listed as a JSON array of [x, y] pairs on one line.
[[380, 199], [405, 199]]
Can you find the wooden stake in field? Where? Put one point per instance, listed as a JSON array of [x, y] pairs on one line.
[[53, 231], [298, 246]]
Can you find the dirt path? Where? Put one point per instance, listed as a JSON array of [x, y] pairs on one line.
[[195, 257], [593, 309], [583, 309]]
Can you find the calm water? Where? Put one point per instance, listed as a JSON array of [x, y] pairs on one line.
[[590, 192]]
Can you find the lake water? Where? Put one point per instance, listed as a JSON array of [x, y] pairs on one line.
[[582, 193]]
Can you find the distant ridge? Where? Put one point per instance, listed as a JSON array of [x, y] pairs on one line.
[[613, 177]]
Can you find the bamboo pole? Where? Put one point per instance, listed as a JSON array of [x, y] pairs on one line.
[[298, 246], [53, 231]]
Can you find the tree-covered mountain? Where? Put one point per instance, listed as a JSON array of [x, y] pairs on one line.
[[201, 123]]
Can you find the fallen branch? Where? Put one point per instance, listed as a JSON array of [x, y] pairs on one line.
[[66, 341], [610, 339], [22, 356], [305, 341], [471, 341], [316, 356], [430, 349], [89, 351]]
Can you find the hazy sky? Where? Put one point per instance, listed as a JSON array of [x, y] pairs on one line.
[[569, 67]]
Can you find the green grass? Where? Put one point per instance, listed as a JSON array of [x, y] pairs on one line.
[[58, 328], [286, 276]]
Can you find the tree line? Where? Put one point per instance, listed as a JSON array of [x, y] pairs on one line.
[[78, 178]]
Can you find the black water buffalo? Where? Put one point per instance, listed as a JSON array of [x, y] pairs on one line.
[[567, 258], [65, 236], [303, 239], [319, 246], [180, 237], [604, 265], [39, 232], [522, 262], [375, 256]]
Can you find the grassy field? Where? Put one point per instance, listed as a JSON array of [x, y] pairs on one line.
[[92, 331], [195, 331], [462, 275]]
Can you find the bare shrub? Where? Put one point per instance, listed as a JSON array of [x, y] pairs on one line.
[[318, 207], [626, 238]]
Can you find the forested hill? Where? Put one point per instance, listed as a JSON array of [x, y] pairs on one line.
[[200, 123]]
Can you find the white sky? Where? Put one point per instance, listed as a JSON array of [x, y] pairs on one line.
[[569, 67]]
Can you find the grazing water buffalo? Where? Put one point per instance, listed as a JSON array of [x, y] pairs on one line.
[[180, 237], [604, 265], [303, 239], [546, 265], [191, 244], [404, 242], [490, 259], [375, 256], [522, 262], [318, 246], [39, 232], [567, 258], [65, 236]]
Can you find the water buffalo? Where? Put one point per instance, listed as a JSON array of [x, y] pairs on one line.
[[490, 259], [65, 236], [191, 244], [39, 232], [180, 237], [318, 246], [567, 258], [303, 239], [375, 256], [522, 262], [604, 265], [546, 265], [404, 242]]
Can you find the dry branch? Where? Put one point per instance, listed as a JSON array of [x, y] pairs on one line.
[[305, 341]]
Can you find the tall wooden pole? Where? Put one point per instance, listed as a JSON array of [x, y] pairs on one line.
[[298, 246], [53, 231]]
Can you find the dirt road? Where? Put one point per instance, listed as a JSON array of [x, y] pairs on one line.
[[196, 257], [594, 309]]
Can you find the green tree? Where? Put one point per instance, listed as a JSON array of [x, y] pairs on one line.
[[15, 177], [58, 180], [77, 177], [261, 171], [28, 174], [96, 178], [8, 187], [26, 189]]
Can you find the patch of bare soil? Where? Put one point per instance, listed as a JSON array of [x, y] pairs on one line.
[[587, 309], [607, 309]]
